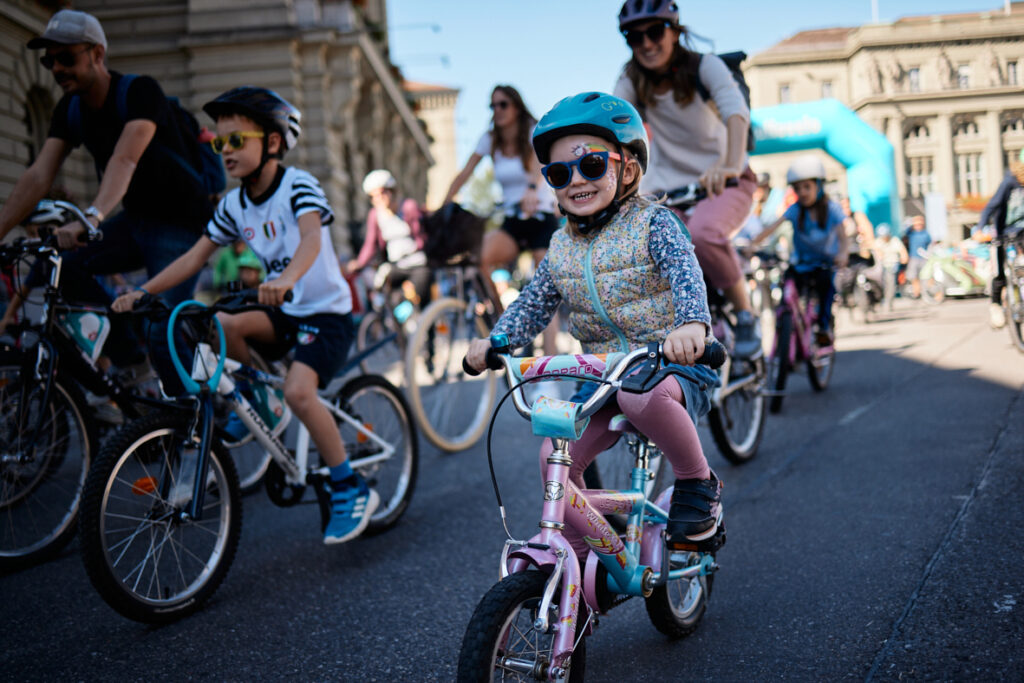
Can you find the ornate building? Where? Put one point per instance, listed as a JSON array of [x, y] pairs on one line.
[[435, 105], [945, 89], [328, 57]]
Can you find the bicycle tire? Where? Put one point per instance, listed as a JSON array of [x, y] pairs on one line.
[[510, 607], [820, 367], [440, 392], [677, 608], [394, 479], [737, 424], [613, 469], [1013, 304], [779, 366], [142, 473], [387, 360], [40, 498]]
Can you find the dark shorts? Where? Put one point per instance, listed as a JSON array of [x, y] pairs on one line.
[[320, 341], [531, 233]]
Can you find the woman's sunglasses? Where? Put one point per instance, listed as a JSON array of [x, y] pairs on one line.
[[501, 104], [65, 58], [592, 166], [654, 32], [234, 140]]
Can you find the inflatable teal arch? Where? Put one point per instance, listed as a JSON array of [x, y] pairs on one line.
[[828, 125]]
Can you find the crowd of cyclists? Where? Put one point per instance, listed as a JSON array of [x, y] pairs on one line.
[[583, 188]]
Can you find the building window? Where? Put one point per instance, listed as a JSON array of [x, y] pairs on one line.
[[826, 89], [970, 173], [920, 176], [1011, 73], [963, 76], [784, 96], [914, 79]]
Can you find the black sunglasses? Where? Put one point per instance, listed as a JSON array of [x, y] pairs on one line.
[[501, 104], [66, 58], [654, 32], [592, 166]]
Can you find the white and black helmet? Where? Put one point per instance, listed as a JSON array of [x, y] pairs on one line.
[[807, 167]]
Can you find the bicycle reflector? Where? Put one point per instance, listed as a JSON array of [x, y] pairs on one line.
[[360, 436], [144, 486]]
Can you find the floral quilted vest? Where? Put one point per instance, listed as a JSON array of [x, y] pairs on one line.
[[615, 264]]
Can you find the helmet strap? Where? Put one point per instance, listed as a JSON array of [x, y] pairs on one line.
[[251, 179]]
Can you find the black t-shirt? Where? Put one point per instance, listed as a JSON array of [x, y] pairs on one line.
[[160, 188]]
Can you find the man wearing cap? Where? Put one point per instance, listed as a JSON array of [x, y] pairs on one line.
[[164, 208]]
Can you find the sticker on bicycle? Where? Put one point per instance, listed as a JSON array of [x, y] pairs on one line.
[[579, 365]]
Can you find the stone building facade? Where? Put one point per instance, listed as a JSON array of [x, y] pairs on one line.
[[328, 57], [946, 90], [435, 105]]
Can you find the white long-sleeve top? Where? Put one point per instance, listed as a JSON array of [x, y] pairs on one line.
[[688, 140]]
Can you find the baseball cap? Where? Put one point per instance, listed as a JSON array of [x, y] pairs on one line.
[[68, 27]]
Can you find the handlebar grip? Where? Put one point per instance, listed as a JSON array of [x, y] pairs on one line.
[[714, 355], [492, 360]]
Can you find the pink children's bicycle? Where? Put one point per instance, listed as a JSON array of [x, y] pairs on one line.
[[531, 625]]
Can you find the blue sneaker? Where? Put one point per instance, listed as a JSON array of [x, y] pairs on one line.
[[351, 509]]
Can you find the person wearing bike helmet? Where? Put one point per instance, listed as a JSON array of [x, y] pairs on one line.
[[394, 228], [1004, 210], [697, 136], [625, 268], [820, 238], [283, 215]]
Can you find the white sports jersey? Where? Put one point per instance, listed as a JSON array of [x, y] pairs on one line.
[[271, 229]]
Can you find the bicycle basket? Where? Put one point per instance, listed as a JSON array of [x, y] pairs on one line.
[[451, 230]]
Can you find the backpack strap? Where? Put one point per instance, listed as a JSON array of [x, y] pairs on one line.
[[122, 96], [702, 89]]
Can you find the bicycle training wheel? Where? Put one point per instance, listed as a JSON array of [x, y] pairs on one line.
[[677, 608], [377, 405], [737, 421], [502, 641], [148, 559], [779, 363], [451, 407], [613, 469], [374, 329], [45, 451]]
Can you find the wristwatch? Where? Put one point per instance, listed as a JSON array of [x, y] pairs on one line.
[[93, 211]]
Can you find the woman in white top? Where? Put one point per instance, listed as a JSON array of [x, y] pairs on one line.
[[693, 140], [530, 220]]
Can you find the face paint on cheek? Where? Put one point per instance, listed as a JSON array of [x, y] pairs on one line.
[[610, 179]]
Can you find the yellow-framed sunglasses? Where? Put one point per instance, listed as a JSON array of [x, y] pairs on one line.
[[234, 140]]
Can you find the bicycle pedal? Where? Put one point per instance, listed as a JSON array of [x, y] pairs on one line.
[[708, 545]]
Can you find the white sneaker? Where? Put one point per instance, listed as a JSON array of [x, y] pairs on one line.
[[996, 316]]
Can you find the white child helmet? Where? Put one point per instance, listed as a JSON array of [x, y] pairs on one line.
[[807, 167], [378, 179]]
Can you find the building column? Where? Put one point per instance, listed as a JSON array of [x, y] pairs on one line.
[[993, 153], [943, 132], [894, 132]]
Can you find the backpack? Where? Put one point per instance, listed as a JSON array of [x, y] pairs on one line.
[[205, 167], [451, 230], [733, 61]]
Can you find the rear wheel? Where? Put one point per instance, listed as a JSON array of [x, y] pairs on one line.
[[502, 642], [451, 407], [375, 403], [737, 423], [387, 359], [41, 472], [145, 556], [677, 608], [778, 365], [1013, 300]]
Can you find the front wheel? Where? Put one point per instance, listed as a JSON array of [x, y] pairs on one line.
[[677, 608], [145, 556], [737, 421], [376, 404], [820, 365], [451, 407], [502, 642], [779, 362]]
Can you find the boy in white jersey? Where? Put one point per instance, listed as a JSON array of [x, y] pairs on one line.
[[283, 216]]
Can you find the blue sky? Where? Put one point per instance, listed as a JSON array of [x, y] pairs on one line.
[[549, 49]]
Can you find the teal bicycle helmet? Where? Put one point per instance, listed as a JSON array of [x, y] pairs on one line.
[[601, 115]]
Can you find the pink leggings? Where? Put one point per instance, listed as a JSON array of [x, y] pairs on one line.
[[659, 414]]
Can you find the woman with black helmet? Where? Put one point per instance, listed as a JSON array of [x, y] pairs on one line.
[[693, 140], [283, 215]]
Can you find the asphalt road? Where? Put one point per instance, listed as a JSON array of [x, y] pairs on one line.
[[877, 536]]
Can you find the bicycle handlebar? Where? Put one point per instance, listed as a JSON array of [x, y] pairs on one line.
[[49, 211], [688, 195]]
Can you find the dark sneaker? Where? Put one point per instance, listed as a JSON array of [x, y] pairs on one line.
[[824, 338], [748, 335], [351, 509], [696, 509]]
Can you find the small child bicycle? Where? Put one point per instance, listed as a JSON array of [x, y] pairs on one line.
[[531, 625], [161, 509]]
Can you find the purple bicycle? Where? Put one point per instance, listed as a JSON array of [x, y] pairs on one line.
[[531, 625]]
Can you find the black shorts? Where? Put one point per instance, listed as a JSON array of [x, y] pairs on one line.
[[321, 341], [531, 233]]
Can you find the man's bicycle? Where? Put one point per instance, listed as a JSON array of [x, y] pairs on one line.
[[1012, 242], [161, 511], [797, 341], [531, 625]]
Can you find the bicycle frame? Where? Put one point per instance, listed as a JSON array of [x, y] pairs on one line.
[[634, 566], [803, 322]]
